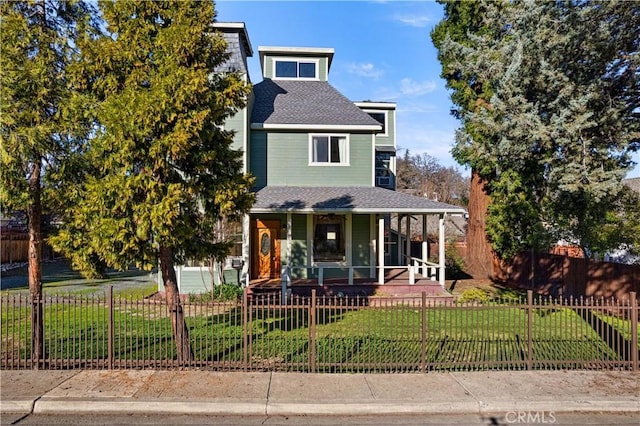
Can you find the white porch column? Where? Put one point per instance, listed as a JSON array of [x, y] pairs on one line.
[[289, 237], [373, 247], [399, 245], [407, 250], [246, 254], [425, 247], [381, 249], [286, 271], [441, 243]]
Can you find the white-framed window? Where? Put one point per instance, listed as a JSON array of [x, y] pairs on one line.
[[329, 238], [381, 117], [329, 150], [302, 69]]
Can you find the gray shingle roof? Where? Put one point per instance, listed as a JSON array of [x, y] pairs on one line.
[[356, 199], [305, 103], [633, 183]]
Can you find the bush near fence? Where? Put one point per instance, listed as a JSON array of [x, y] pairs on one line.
[[326, 334], [563, 276]]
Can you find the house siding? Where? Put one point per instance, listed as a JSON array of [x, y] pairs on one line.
[[281, 159], [388, 140], [360, 248], [237, 124], [258, 160]]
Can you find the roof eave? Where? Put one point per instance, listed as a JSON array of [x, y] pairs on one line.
[[345, 127], [361, 210]]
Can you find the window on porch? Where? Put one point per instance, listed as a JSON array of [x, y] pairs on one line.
[[328, 238]]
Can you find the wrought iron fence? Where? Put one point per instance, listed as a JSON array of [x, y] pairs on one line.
[[323, 334]]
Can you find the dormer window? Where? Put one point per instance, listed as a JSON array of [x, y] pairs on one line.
[[302, 69]]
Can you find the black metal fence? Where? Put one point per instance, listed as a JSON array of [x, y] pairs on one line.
[[324, 334]]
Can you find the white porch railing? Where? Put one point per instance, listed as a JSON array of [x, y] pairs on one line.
[[429, 269], [415, 267]]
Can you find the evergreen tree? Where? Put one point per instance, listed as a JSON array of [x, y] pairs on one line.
[[553, 139], [463, 20], [37, 40], [161, 169]]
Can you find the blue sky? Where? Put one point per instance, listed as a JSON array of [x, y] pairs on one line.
[[383, 52]]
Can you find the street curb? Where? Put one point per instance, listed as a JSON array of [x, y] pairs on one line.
[[17, 406], [293, 408], [358, 408], [57, 406], [585, 406]]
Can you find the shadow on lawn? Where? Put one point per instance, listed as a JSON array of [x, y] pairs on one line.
[[59, 275]]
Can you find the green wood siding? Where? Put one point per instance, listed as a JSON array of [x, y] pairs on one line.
[[360, 249], [258, 157], [279, 158], [237, 124], [391, 130], [195, 282]]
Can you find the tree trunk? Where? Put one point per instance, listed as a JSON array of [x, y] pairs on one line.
[[180, 330], [34, 214], [480, 255]]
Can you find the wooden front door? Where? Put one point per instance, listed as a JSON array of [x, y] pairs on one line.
[[266, 249]]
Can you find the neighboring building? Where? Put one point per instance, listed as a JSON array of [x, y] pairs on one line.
[[325, 178]]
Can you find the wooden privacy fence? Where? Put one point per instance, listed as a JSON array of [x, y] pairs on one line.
[[322, 334], [14, 248], [563, 276]]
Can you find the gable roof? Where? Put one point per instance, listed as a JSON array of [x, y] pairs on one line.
[[349, 199], [295, 104]]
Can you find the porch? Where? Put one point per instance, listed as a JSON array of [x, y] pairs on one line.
[[396, 283]]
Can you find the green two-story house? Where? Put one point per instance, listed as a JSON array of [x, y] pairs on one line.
[[325, 180]]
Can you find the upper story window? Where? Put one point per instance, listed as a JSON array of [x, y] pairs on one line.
[[380, 117], [329, 150], [296, 69]]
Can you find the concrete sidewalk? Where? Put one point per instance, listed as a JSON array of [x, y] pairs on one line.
[[206, 392]]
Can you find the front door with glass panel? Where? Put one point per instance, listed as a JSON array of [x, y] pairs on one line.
[[266, 249]]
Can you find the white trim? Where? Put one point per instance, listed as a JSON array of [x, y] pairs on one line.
[[373, 160], [347, 149], [313, 127], [315, 61], [386, 120], [380, 105], [299, 50]]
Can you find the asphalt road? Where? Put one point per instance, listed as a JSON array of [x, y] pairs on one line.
[[459, 419]]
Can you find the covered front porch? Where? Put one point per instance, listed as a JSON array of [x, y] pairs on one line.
[[341, 236]]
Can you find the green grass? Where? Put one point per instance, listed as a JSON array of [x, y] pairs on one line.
[[345, 339]]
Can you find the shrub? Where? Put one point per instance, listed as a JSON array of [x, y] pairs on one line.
[[473, 295]]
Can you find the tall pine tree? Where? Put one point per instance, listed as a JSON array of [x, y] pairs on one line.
[[37, 39], [553, 138], [161, 172]]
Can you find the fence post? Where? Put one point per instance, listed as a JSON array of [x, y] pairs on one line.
[[312, 332], [423, 337], [634, 331], [245, 331], [111, 332], [529, 329]]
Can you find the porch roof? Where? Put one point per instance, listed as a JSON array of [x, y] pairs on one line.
[[345, 199]]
